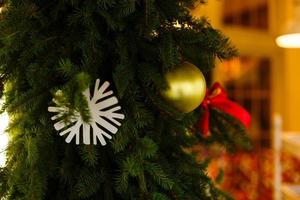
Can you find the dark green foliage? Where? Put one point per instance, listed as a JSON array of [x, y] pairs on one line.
[[65, 45]]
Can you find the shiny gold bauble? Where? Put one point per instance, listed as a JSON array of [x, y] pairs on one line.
[[187, 87]]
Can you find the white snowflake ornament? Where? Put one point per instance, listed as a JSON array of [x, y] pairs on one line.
[[103, 122]]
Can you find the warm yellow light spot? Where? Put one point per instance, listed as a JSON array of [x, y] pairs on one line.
[[289, 40], [185, 88], [3, 137]]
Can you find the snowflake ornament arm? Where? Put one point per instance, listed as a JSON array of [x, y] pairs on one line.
[[104, 117]]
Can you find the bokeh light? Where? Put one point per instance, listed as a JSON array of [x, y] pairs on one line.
[[3, 137]]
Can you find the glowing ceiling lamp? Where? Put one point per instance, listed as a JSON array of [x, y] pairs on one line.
[[291, 37], [3, 137]]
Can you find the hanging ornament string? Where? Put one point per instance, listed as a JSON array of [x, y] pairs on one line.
[[217, 98]]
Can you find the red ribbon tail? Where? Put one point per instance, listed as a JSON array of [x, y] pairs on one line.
[[203, 124], [235, 111]]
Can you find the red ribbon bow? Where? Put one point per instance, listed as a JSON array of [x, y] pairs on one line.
[[217, 98]]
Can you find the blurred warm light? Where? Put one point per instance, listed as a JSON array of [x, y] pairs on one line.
[[3, 137], [289, 40], [291, 36], [232, 69]]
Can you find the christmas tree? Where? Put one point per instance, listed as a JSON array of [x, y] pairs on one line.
[[52, 51]]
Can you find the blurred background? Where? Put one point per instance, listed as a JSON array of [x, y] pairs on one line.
[[265, 79]]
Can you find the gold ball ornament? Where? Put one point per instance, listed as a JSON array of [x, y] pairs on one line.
[[187, 87]]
